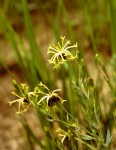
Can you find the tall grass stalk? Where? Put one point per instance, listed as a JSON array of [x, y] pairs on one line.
[[36, 54], [54, 20], [69, 25], [112, 6], [30, 136], [57, 25], [90, 25], [22, 55]]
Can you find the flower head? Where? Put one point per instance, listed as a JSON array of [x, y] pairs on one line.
[[60, 52], [21, 92], [65, 135], [23, 103], [51, 97]]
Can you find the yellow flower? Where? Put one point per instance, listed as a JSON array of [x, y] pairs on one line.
[[22, 93], [23, 103], [50, 97], [61, 52]]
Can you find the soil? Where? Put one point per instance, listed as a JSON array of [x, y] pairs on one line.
[[10, 128]]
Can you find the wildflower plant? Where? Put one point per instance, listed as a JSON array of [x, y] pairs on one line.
[[64, 130], [60, 52]]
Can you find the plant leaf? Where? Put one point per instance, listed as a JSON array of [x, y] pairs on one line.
[[87, 137], [108, 138]]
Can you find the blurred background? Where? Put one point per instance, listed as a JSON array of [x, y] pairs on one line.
[[27, 27]]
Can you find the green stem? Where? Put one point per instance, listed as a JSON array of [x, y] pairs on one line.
[[71, 78]]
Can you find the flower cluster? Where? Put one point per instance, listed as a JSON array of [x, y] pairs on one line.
[[60, 52], [41, 93]]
